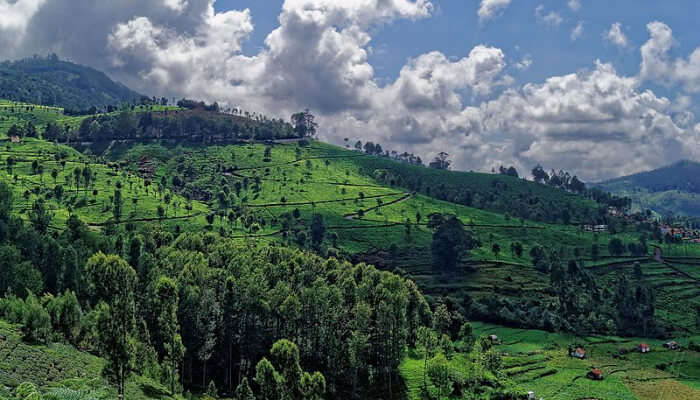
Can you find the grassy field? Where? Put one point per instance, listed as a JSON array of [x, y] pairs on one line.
[[539, 362]]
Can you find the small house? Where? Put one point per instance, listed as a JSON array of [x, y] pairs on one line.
[[672, 345], [15, 139], [493, 338], [644, 348], [595, 374], [578, 352], [530, 395]]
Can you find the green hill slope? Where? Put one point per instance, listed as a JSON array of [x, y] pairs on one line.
[[52, 82], [372, 210], [671, 190]]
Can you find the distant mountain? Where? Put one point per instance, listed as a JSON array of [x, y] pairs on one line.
[[53, 82], [674, 189]]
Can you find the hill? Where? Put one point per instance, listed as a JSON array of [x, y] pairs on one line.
[[671, 190], [53, 82], [189, 197]]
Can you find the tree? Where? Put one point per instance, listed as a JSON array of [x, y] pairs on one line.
[[304, 124], [442, 319], [117, 204], [165, 309], [267, 379], [440, 375], [441, 161], [243, 391], [450, 242], [467, 337], [638, 273], [516, 248], [285, 356], [5, 201], [37, 323], [40, 216], [540, 175], [595, 251], [496, 249], [427, 340], [113, 282], [616, 247], [318, 230]]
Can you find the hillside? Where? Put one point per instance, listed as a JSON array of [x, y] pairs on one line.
[[53, 82], [671, 190], [215, 211]]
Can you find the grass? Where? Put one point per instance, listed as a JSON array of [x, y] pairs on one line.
[[327, 180], [538, 361]]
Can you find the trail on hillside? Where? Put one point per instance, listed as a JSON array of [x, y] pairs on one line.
[[351, 216]]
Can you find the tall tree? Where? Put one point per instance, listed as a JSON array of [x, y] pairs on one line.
[[113, 282], [165, 309]]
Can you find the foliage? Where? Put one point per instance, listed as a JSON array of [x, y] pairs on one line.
[[53, 82]]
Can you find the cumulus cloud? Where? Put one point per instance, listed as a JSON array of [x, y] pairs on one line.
[[657, 65], [597, 123], [318, 58], [551, 18], [577, 32], [574, 4], [615, 35], [492, 8]]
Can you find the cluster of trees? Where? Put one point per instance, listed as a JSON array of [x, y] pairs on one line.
[[565, 181], [559, 180], [480, 368], [510, 171], [499, 193], [194, 125], [23, 130], [580, 304], [199, 311], [451, 242], [376, 150]]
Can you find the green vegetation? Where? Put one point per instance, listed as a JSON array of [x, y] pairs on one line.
[[242, 267], [52, 82]]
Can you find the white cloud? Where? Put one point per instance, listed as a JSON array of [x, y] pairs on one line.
[[525, 63], [597, 123], [615, 35], [177, 5], [577, 32], [658, 66], [575, 4], [551, 18], [14, 16], [586, 122], [492, 8]]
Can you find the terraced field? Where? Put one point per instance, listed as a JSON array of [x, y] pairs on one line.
[[538, 361]]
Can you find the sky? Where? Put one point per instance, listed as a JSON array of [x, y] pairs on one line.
[[598, 88]]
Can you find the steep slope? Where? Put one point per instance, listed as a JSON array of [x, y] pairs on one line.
[[674, 189], [52, 82]]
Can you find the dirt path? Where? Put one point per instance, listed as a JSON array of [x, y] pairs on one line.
[[352, 216], [306, 203]]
